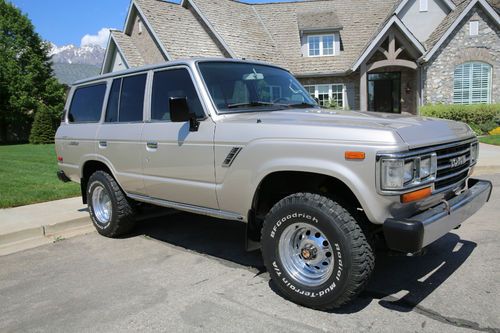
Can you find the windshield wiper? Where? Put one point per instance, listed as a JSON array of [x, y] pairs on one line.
[[253, 103], [299, 105]]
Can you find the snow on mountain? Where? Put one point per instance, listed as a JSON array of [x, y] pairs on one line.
[[71, 54]]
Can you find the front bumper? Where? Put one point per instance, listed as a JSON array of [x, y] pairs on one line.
[[413, 233]]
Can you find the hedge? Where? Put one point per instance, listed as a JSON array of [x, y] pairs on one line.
[[482, 118]]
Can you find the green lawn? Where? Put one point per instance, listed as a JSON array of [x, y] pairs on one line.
[[491, 139], [28, 175]]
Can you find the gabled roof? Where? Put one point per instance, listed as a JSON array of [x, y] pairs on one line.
[[178, 30], [448, 25], [127, 49], [402, 3]]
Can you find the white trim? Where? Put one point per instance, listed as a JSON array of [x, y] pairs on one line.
[[473, 28], [330, 91], [210, 27], [423, 6], [321, 48], [403, 3], [406, 32], [486, 6]]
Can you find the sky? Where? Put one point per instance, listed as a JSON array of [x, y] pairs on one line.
[[78, 22]]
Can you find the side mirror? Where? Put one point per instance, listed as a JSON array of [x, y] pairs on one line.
[[179, 112]]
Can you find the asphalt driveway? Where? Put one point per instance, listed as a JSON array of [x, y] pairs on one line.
[[189, 273]]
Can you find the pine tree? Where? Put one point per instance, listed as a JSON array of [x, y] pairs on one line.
[[42, 131]]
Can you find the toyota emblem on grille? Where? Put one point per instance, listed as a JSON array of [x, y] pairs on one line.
[[458, 161]]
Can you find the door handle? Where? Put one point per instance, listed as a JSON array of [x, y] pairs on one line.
[[152, 145], [103, 144]]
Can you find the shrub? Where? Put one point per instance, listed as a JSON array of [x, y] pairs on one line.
[[43, 129], [482, 118]]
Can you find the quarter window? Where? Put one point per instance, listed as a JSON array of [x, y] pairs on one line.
[[126, 99], [329, 95], [321, 45], [86, 105], [173, 83], [472, 83]]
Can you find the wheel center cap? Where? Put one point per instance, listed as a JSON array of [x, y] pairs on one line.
[[308, 252]]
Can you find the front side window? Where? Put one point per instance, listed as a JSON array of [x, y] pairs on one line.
[[86, 105], [328, 95], [472, 83], [321, 45], [173, 83], [126, 99], [237, 87]]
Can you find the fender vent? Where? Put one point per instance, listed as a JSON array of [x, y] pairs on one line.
[[231, 157]]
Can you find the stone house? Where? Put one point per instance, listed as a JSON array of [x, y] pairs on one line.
[[378, 55]]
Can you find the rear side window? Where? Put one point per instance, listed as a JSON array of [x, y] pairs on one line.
[[173, 83], [126, 99], [86, 104]]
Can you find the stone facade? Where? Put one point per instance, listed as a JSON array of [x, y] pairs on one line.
[[460, 47]]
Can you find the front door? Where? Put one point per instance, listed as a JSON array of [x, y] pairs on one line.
[[178, 164], [384, 92]]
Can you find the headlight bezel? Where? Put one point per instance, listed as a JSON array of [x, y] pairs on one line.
[[418, 177]]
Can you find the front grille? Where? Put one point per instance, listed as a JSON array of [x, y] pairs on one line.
[[450, 175]]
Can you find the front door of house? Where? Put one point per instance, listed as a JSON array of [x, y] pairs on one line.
[[384, 92]]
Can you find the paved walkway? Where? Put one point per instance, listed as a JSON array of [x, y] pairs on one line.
[[489, 159]]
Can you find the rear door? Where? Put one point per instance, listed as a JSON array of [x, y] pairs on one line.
[[119, 136], [178, 164]]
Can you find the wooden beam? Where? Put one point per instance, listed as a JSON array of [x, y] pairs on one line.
[[398, 52], [363, 87], [395, 63]]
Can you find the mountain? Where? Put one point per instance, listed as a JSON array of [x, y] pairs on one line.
[[72, 63], [71, 54]]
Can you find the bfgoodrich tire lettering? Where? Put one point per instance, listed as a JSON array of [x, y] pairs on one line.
[[110, 210], [349, 259]]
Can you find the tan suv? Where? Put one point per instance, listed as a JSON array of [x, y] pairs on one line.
[[244, 141]]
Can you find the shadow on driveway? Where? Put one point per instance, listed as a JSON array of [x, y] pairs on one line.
[[398, 283]]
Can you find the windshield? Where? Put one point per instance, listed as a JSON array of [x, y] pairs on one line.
[[245, 87]]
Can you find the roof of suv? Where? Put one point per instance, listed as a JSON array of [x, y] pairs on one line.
[[188, 62]]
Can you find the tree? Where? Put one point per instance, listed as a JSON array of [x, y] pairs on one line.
[[26, 80], [43, 131]]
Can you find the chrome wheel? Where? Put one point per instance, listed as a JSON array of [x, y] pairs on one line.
[[306, 254], [101, 204]]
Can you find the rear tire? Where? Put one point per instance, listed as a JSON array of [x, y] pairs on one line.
[[111, 212], [315, 252]]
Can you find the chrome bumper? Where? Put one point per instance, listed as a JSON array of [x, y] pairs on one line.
[[413, 233]]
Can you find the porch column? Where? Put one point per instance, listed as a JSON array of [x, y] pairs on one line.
[[419, 89], [363, 88]]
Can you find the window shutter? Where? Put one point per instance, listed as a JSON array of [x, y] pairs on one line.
[[472, 83], [424, 5]]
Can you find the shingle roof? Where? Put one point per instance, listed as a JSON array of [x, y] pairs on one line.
[[358, 27], [445, 24], [318, 20], [127, 47], [179, 30]]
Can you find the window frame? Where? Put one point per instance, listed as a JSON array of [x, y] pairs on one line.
[[103, 107], [150, 93], [423, 6], [470, 89], [474, 23], [321, 45], [330, 92], [108, 95]]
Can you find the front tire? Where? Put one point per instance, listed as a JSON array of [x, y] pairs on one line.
[[315, 252], [111, 212]]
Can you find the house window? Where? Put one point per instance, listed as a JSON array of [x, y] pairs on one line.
[[330, 95], [321, 45], [472, 83], [474, 28], [424, 5], [139, 24]]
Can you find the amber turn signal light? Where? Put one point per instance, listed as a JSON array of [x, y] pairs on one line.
[[416, 195], [354, 155]]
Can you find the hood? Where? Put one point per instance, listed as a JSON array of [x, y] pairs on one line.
[[414, 131]]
